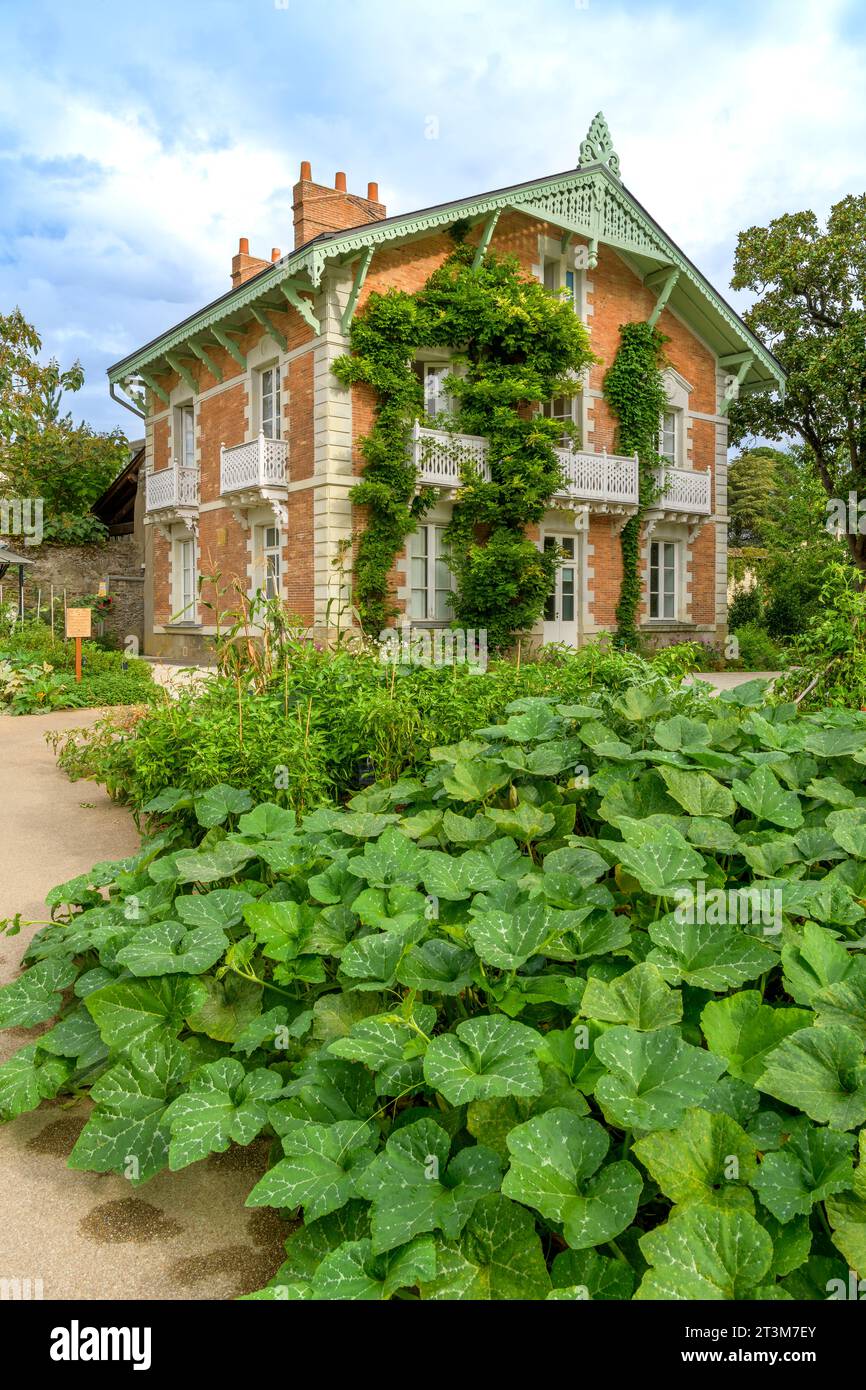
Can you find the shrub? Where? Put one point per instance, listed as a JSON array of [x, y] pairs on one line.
[[758, 652], [745, 607], [309, 732]]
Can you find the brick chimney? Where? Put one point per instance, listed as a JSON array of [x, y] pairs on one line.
[[245, 266], [319, 208]]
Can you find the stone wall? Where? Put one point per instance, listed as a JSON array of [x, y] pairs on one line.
[[79, 570]]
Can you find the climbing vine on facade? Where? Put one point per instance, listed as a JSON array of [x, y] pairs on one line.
[[514, 344], [635, 393]]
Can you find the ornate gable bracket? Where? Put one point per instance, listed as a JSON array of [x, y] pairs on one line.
[[597, 147], [696, 526], [280, 511]]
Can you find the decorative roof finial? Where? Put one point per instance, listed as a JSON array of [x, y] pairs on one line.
[[598, 148]]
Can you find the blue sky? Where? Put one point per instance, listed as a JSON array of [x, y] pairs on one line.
[[137, 143]]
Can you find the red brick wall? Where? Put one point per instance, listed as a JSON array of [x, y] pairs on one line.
[[616, 296]]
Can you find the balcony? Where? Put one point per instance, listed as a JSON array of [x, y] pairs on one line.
[[686, 493], [171, 495], [255, 474], [609, 481]]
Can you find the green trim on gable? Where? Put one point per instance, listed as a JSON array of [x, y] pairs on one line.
[[588, 202]]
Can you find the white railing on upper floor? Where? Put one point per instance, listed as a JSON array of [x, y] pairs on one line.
[[260, 463], [440, 456], [684, 490], [175, 486]]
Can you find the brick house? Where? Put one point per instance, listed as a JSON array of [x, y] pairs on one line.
[[252, 446]]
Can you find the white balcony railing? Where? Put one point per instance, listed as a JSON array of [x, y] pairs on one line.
[[171, 488], [599, 477], [439, 456], [685, 490], [260, 464]]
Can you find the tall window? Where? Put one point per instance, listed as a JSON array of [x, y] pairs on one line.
[[559, 606], [272, 556], [185, 422], [269, 386], [668, 436], [186, 563], [556, 277], [663, 580], [429, 575], [436, 398]]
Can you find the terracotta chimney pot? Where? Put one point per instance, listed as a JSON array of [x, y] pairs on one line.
[[306, 170], [244, 246], [340, 183], [275, 253], [373, 192]]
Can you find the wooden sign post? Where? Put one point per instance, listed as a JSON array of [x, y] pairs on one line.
[[78, 625]]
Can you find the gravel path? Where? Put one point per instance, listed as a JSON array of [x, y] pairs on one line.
[[91, 1235]]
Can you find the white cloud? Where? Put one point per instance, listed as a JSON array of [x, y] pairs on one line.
[[123, 218]]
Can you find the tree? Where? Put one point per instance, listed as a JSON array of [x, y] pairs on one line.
[[811, 312], [29, 391], [751, 495], [44, 455], [69, 467]]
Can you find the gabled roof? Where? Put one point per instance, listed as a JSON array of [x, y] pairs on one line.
[[116, 507], [589, 201]]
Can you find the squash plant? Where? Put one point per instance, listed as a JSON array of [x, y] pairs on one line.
[[496, 1056]]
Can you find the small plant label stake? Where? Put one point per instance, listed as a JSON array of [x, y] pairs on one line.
[[78, 622]]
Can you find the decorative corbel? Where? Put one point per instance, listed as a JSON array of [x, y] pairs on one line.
[[183, 371], [154, 387], [303, 306], [205, 357], [664, 280], [231, 348], [267, 323], [733, 384], [357, 286], [486, 237]]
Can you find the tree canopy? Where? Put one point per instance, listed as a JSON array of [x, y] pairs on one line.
[[43, 454], [810, 285]]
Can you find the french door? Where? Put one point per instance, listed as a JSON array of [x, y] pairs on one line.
[[561, 608]]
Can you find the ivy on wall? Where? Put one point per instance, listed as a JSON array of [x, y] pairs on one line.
[[634, 390], [517, 345]]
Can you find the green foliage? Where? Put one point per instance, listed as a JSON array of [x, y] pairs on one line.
[[37, 673], [634, 391], [307, 732], [495, 1056], [28, 390], [745, 608], [777, 508], [43, 455], [752, 495], [758, 651], [810, 287], [829, 658], [519, 345]]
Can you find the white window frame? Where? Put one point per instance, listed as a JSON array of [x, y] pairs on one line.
[[432, 371], [184, 426], [664, 563], [424, 546], [557, 274], [272, 560], [185, 558], [675, 416], [270, 375]]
